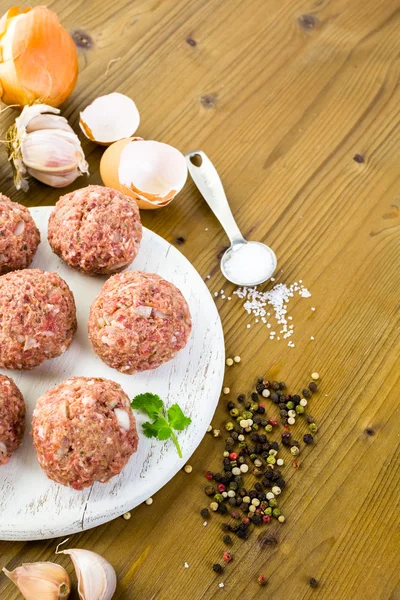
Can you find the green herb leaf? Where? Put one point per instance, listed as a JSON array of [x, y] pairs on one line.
[[163, 425], [177, 419], [149, 403]]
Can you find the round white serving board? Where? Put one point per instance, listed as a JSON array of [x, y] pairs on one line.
[[31, 506]]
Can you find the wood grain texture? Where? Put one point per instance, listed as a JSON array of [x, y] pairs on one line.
[[281, 95]]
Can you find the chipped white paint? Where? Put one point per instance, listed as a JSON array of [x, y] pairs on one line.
[[33, 507]]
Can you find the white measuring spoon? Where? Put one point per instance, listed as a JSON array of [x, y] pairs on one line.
[[244, 263]]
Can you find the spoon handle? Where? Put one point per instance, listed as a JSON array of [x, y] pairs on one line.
[[209, 184]]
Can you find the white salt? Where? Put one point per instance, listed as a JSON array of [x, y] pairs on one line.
[[251, 263]]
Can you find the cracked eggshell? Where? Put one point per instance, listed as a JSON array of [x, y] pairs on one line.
[[149, 171], [109, 119]]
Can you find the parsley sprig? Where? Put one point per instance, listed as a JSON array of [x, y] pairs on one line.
[[163, 422]]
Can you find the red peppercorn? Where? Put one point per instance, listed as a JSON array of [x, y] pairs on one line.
[[262, 580], [259, 510], [246, 520], [273, 422], [266, 519], [262, 405], [221, 488], [227, 557], [209, 475], [233, 456], [235, 514]]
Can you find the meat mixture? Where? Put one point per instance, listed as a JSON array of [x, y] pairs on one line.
[[96, 230], [37, 318], [84, 431], [12, 418], [138, 322], [19, 236]]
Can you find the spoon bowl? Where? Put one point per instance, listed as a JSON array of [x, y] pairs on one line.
[[244, 263]]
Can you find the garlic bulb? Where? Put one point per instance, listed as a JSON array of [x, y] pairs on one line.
[[45, 147], [96, 577], [44, 580]]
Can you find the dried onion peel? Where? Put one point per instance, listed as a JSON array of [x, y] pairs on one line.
[[38, 58], [110, 118], [151, 172]]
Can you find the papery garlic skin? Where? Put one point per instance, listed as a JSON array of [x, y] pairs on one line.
[[38, 58], [45, 147], [96, 577], [41, 581]]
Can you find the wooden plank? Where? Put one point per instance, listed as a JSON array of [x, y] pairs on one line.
[[282, 96]]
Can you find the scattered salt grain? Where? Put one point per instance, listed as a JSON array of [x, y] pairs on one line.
[[208, 277], [216, 294], [221, 585], [186, 565], [205, 524], [223, 297], [312, 338], [313, 308], [248, 326], [229, 298]]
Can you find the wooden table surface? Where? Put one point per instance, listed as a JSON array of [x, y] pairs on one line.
[[282, 95]]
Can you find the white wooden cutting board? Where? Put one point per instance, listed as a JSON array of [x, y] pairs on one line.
[[33, 507]]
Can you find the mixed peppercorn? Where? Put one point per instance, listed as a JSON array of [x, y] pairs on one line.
[[249, 450]]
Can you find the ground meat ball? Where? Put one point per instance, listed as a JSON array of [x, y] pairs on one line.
[[138, 322], [19, 236], [95, 230], [12, 418], [84, 431], [37, 318]]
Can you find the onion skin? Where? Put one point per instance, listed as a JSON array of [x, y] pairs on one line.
[[39, 61]]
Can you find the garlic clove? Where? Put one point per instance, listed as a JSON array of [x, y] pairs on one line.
[[44, 580], [29, 112], [48, 122], [96, 577], [110, 118], [56, 180], [50, 150], [154, 171]]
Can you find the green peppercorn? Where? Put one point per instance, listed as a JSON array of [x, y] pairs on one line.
[[253, 457], [268, 511], [254, 406], [255, 427], [242, 445], [268, 428], [299, 409], [247, 415], [229, 426], [271, 460], [276, 513], [234, 412], [218, 498], [273, 503], [290, 405], [313, 427]]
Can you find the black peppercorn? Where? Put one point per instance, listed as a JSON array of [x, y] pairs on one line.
[[227, 540], [252, 494], [254, 437], [296, 399], [222, 509], [230, 440], [241, 398], [308, 438], [274, 446], [282, 385], [274, 397], [243, 535], [226, 461], [306, 393], [229, 447], [238, 479], [260, 387], [312, 582], [261, 496], [256, 519], [209, 490], [295, 443], [275, 385], [283, 413], [217, 568], [254, 396], [205, 513], [286, 435], [257, 418], [230, 405], [242, 492], [264, 422], [260, 379], [247, 404], [258, 487], [262, 438], [225, 527], [233, 486], [232, 501], [234, 527], [313, 386], [244, 507], [286, 442], [309, 419], [261, 410], [282, 405], [281, 483]]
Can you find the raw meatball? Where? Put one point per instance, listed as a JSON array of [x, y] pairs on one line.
[[19, 236], [84, 431], [12, 418], [138, 322], [37, 318], [95, 230]]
